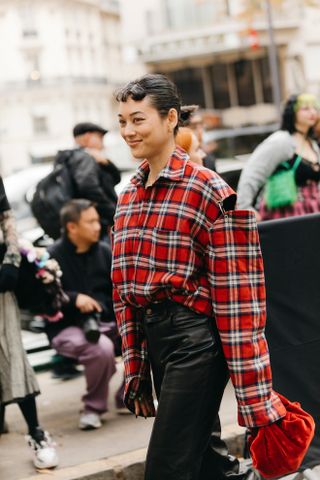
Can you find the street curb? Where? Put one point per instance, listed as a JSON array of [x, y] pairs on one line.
[[130, 465], [234, 435]]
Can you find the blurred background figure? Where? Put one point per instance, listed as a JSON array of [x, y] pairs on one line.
[[18, 382], [187, 140], [82, 172], [86, 265], [293, 144], [191, 118], [316, 130], [89, 139]]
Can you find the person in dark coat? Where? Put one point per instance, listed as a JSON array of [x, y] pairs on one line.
[[85, 263], [94, 176], [191, 119]]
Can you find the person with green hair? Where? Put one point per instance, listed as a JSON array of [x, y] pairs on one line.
[[291, 147]]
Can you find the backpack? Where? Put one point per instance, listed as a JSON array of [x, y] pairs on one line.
[[51, 193]]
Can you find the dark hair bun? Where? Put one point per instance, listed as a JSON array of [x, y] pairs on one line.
[[185, 114]]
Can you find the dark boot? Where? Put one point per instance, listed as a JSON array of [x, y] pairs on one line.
[[225, 466], [3, 426]]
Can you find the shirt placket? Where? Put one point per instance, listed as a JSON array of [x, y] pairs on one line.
[[146, 196]]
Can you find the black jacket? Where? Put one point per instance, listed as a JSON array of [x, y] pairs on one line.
[[87, 273], [94, 182]]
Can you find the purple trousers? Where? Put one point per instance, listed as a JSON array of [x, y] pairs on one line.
[[98, 361]]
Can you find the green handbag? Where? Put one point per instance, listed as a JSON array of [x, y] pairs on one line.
[[281, 188]]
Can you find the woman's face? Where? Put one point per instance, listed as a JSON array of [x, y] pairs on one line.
[[143, 129], [196, 153], [306, 116]]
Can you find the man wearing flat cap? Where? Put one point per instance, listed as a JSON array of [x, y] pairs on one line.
[[93, 175]]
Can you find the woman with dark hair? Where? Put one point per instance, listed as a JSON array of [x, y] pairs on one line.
[[190, 306], [294, 145], [18, 383]]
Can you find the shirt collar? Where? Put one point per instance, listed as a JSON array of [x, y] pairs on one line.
[[174, 170]]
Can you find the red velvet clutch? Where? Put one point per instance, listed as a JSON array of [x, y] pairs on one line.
[[278, 449]]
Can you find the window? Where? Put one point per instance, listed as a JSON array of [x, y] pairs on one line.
[[40, 124], [220, 85], [266, 79], [189, 83], [194, 13], [244, 80], [27, 16], [240, 83]]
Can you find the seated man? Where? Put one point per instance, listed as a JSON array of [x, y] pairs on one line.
[[85, 263]]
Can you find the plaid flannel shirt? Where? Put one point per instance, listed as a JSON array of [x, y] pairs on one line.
[[171, 241]]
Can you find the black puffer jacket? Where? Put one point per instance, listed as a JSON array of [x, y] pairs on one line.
[[94, 182]]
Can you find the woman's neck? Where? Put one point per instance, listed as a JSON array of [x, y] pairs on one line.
[[158, 162], [302, 129]]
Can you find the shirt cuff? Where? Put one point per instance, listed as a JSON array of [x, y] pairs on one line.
[[262, 413]]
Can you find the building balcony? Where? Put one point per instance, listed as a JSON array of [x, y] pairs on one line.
[[192, 44], [30, 84]]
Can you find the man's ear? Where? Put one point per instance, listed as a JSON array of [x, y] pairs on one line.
[[71, 227]]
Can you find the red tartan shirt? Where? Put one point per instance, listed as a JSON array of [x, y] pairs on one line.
[[170, 241]]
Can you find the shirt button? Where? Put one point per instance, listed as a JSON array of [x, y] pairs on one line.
[[148, 311]]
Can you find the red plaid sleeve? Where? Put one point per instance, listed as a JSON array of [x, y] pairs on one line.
[[236, 278], [134, 351]]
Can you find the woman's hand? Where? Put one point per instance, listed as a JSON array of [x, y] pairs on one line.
[[144, 406]]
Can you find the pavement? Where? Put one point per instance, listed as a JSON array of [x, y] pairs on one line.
[[59, 405], [114, 452]]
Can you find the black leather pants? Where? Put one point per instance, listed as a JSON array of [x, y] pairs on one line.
[[190, 375]]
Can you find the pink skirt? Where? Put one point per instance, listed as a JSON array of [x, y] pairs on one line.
[[308, 202]]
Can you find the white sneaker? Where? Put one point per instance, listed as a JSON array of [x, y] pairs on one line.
[[44, 452], [89, 421]]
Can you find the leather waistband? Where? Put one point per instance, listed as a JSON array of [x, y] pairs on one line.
[[160, 306], [163, 306]]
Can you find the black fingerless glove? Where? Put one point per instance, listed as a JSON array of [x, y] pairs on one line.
[[8, 277]]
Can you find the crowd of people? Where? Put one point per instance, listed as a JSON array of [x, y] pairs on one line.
[[81, 327], [176, 295]]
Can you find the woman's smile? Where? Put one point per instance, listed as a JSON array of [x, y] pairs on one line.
[[133, 143]]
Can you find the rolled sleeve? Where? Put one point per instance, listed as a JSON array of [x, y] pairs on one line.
[[236, 276], [262, 413]]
